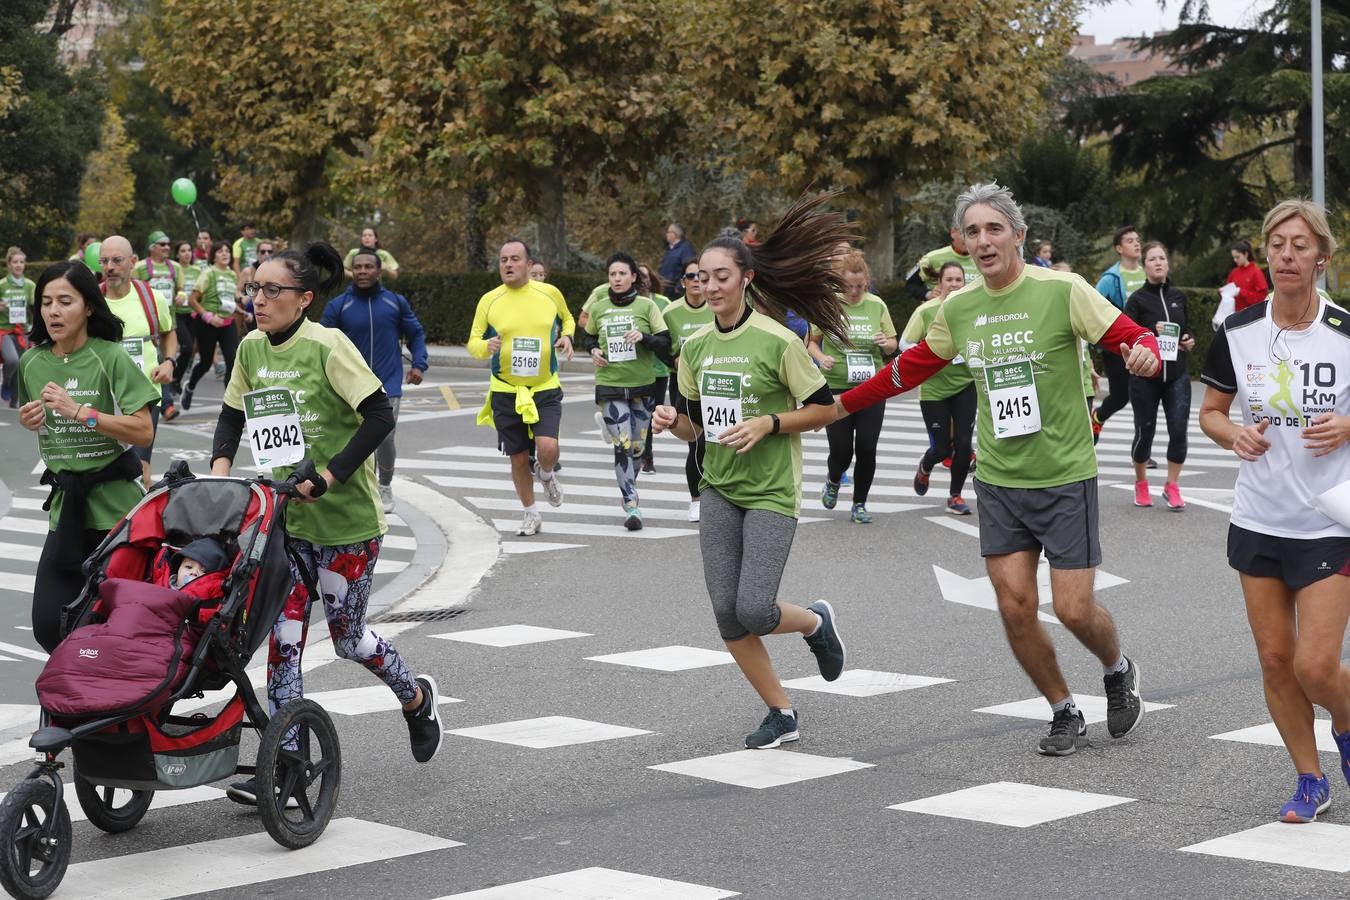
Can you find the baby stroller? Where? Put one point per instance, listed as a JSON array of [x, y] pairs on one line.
[[110, 700]]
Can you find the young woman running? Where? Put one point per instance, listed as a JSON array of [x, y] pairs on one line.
[[1160, 307], [752, 391], [631, 334], [685, 317], [86, 399], [947, 400], [214, 303], [873, 338], [293, 368], [16, 305]]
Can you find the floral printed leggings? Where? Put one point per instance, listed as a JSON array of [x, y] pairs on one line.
[[344, 580], [628, 423]]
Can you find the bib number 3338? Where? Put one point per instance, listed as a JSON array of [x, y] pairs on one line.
[[1013, 404], [273, 425]]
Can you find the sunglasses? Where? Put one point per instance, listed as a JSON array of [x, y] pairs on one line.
[[161, 243], [690, 276]]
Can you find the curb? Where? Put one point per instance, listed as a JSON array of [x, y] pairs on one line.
[[432, 551]]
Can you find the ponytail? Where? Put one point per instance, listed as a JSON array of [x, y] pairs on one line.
[[795, 266], [318, 267]]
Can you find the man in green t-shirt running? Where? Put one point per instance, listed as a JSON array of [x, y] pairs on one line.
[[1117, 283], [1018, 331], [245, 249]]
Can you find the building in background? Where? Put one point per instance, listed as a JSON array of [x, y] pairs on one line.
[[1120, 60]]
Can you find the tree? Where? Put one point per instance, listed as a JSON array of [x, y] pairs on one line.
[[49, 119], [108, 189], [1214, 147], [521, 102], [870, 96]]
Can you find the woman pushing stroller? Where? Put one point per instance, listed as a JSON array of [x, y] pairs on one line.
[[302, 391]]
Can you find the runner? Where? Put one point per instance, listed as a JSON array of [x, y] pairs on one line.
[[754, 390], [1291, 558], [16, 308], [649, 285], [201, 252], [685, 317], [187, 344], [1117, 283], [538, 269], [245, 249], [289, 364], [524, 401], [147, 326], [370, 240], [1037, 482], [213, 302], [872, 336], [165, 278], [631, 335], [1160, 307], [85, 398], [378, 321], [922, 280], [947, 400]]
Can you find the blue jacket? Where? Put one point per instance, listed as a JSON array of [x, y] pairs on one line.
[[377, 324], [1112, 286]]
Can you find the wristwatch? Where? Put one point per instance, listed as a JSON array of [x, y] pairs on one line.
[[91, 420]]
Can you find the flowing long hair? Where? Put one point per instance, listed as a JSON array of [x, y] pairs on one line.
[[795, 265]]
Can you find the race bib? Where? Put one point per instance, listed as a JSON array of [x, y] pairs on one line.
[[18, 310], [1013, 405], [720, 399], [135, 348], [273, 426], [1169, 341], [526, 356], [225, 294], [616, 348], [860, 367]]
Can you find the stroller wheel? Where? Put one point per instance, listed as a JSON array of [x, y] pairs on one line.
[[34, 840], [112, 809], [298, 757]]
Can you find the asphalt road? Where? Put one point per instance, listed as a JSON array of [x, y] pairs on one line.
[[919, 781]]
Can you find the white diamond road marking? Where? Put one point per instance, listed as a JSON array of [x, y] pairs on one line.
[[1011, 803], [15, 715], [162, 799], [668, 659], [509, 635], [596, 884], [1267, 734], [239, 861], [547, 732], [358, 701], [761, 769], [1038, 708], [864, 683], [1315, 845]]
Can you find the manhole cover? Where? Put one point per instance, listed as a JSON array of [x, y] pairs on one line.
[[420, 615]]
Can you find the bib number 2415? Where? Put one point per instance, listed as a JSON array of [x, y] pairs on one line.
[[1013, 404]]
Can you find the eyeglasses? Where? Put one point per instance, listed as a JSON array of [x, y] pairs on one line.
[[690, 276], [105, 261], [161, 243], [269, 290], [262, 252]]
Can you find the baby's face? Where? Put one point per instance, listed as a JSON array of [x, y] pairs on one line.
[[189, 569]]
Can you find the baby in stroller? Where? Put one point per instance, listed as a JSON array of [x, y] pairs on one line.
[[201, 557]]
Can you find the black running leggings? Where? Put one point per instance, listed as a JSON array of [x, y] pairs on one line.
[[950, 422], [856, 434], [659, 392], [187, 344], [693, 460], [55, 586], [207, 336], [1118, 381]]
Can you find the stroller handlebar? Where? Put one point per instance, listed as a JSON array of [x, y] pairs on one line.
[[305, 471]]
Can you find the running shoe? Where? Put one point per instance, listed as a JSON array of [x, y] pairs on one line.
[[1343, 745], [1124, 706], [552, 489], [844, 479], [424, 723], [1172, 492], [186, 399], [695, 507], [1151, 464], [946, 462], [957, 507], [170, 413], [776, 728], [220, 369], [648, 466], [1312, 796], [829, 495], [387, 497], [634, 520], [1141, 494], [860, 515], [1096, 428], [826, 643], [604, 429], [246, 794], [920, 480], [1067, 729], [532, 523]]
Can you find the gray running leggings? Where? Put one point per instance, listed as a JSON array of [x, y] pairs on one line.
[[10, 353], [744, 552], [386, 454]]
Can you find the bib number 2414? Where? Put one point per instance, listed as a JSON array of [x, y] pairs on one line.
[[720, 399]]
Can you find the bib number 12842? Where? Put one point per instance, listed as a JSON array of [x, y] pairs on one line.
[[1013, 404], [273, 425]]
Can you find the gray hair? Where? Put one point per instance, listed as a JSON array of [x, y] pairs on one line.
[[992, 195], [679, 229]]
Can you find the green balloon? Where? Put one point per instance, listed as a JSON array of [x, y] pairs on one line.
[[91, 255], [184, 192]]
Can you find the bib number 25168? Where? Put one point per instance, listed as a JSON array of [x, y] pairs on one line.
[[1013, 405], [273, 426]]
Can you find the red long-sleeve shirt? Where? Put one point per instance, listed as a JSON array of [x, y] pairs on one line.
[[1252, 287]]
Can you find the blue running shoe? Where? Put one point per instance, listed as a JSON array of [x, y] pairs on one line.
[[829, 494], [826, 643], [1312, 796], [1343, 745], [844, 479], [860, 515]]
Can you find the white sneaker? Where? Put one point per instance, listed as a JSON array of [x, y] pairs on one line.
[[552, 489], [387, 497], [532, 523], [693, 510], [604, 429]]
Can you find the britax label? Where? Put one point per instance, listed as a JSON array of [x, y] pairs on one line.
[[88, 653]]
